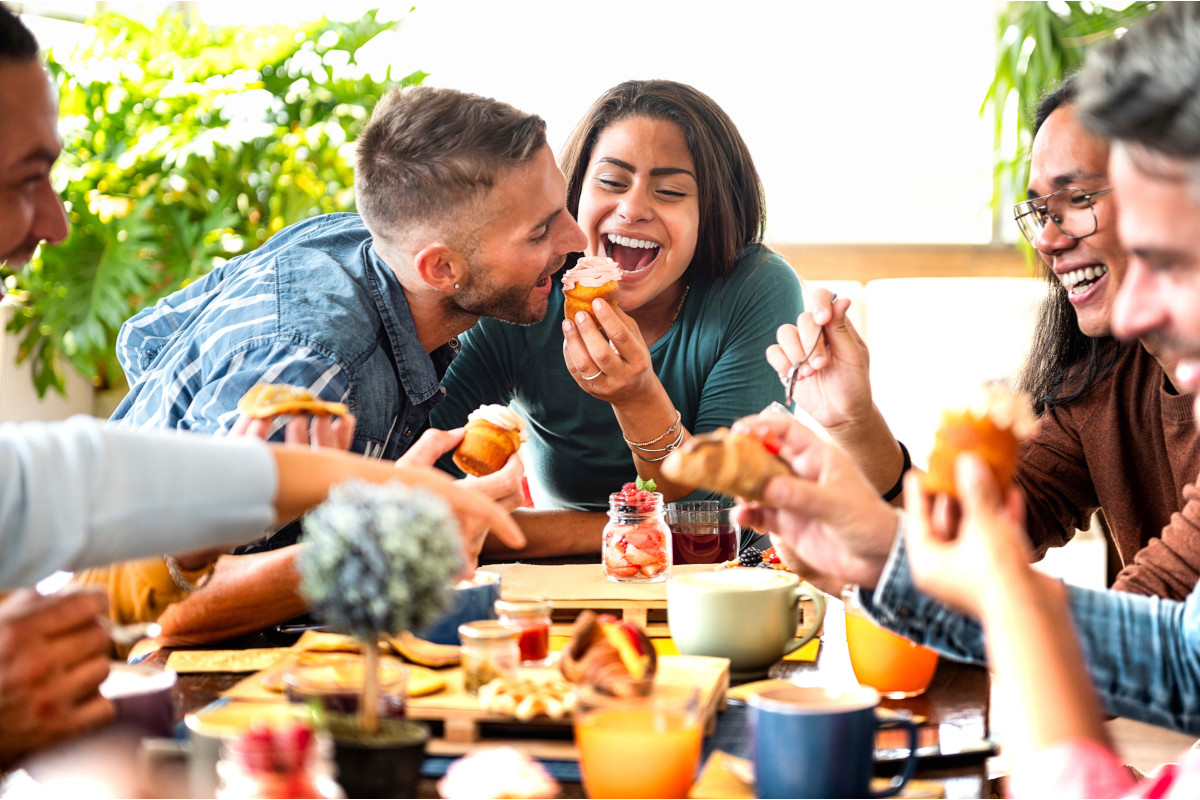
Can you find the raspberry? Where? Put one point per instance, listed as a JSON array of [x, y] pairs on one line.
[[633, 500], [750, 557]]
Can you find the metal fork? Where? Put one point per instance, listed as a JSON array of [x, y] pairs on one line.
[[789, 380]]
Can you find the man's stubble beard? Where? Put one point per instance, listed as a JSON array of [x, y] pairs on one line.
[[478, 296]]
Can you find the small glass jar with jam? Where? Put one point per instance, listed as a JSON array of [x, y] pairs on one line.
[[530, 618], [489, 651], [636, 544]]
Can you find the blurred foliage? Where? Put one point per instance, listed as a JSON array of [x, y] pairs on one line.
[[1038, 43], [184, 146]]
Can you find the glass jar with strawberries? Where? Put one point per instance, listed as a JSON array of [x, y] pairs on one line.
[[636, 544]]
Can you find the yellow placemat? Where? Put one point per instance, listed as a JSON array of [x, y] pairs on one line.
[[666, 647], [251, 660], [728, 776], [806, 653]]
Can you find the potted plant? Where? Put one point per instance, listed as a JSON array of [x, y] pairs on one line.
[[378, 561]]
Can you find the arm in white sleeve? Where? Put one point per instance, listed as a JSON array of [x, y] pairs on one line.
[[77, 494]]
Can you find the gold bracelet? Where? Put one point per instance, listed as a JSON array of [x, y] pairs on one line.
[[663, 435], [666, 451]]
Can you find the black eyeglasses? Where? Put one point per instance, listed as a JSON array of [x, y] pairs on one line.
[[1069, 209]]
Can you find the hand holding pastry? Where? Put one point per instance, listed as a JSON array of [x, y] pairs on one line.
[[615, 369], [314, 422], [826, 510], [986, 550], [492, 436]]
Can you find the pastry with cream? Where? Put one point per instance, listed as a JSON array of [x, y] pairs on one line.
[[493, 433], [592, 278]]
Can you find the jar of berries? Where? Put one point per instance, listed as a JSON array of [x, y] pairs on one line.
[[636, 544]]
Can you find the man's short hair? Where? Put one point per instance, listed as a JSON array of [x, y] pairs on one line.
[[16, 41], [428, 153], [1144, 88]]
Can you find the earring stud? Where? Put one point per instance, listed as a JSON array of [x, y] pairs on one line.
[[456, 286]]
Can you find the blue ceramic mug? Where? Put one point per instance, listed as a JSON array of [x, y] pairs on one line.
[[817, 742], [473, 600]]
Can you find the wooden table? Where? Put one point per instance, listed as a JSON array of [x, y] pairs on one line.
[[959, 695]]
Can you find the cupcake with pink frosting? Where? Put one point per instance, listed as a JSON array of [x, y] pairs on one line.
[[594, 277]]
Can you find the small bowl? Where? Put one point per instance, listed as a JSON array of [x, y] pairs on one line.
[[474, 599], [142, 696]]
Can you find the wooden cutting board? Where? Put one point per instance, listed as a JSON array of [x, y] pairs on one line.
[[574, 587]]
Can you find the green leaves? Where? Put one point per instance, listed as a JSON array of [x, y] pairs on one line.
[[185, 146], [1037, 44]]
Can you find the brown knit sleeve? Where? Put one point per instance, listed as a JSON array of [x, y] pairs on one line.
[[1053, 478], [1169, 565]]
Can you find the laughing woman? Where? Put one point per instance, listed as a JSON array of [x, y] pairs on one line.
[[660, 180]]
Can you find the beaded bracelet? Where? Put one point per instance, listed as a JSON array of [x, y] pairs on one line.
[[663, 435], [892, 493]]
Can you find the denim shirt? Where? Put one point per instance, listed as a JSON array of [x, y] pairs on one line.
[[1143, 652], [315, 307]]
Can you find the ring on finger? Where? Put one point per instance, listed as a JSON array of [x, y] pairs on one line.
[[592, 377]]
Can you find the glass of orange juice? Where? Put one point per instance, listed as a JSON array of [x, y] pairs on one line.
[[639, 746], [888, 663]]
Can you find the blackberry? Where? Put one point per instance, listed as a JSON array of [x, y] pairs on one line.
[[750, 557]]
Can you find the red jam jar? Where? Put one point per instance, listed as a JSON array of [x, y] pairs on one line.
[[530, 618]]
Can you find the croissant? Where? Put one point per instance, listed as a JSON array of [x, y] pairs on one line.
[[613, 657], [726, 462]]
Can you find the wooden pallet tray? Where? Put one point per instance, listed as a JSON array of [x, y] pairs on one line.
[[460, 726]]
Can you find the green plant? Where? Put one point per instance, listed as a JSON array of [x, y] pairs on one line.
[[185, 145], [1037, 43], [378, 560]]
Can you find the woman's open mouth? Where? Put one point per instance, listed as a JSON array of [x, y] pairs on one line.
[[633, 255]]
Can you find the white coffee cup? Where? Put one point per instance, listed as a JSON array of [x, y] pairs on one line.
[[747, 615]]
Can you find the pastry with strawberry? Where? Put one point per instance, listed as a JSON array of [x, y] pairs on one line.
[[734, 463], [612, 656]]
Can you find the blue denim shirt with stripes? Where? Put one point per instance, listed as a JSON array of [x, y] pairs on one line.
[[315, 307], [1143, 653]]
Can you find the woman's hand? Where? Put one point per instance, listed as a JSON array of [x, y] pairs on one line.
[[833, 527], [834, 384], [964, 553], [616, 369]]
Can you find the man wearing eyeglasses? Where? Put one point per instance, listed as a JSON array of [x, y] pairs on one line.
[[1114, 434]]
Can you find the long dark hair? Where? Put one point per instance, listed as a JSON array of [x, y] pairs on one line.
[[730, 193], [1063, 363]]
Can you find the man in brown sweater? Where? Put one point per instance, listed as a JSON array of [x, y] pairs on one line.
[[1114, 433]]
